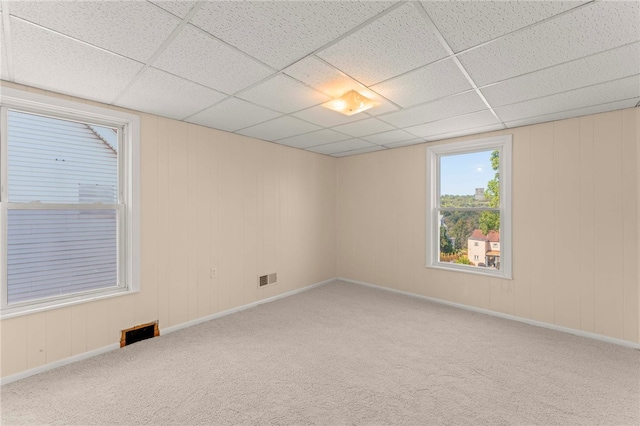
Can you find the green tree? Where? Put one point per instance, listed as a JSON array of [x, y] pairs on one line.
[[445, 242], [460, 226], [490, 221]]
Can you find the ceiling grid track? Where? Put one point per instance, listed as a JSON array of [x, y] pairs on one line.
[[452, 55], [161, 49]]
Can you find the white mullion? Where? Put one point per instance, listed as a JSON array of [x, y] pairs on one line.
[[3, 155], [3, 256], [121, 217], [3, 213]]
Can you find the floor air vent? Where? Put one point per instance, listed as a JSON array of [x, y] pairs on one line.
[[267, 279], [138, 333]]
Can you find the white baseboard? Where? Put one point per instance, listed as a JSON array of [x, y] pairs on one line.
[[59, 363], [240, 308], [104, 349], [549, 326]]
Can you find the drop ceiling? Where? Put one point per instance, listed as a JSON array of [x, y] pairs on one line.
[[262, 69]]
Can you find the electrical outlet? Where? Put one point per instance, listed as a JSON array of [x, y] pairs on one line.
[[213, 273]]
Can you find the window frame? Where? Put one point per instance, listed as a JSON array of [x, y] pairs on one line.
[[127, 207], [434, 152]]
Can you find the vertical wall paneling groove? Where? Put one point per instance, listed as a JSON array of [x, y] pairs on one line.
[[522, 217], [214, 198], [251, 206], [609, 278], [630, 224], [542, 188], [191, 228], [165, 198], [36, 339], [637, 199], [146, 302], [202, 223], [121, 315], [587, 246], [178, 223], [78, 329], [565, 233], [97, 325], [13, 341], [58, 334]]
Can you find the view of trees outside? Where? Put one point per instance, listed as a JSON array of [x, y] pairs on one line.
[[470, 184]]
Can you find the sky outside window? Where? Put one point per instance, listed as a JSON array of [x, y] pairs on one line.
[[461, 174]]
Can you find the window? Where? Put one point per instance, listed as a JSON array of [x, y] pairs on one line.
[[469, 206], [68, 202]]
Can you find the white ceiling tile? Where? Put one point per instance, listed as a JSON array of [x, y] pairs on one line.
[[322, 76], [327, 118], [279, 33], [364, 127], [279, 128], [233, 114], [307, 140], [53, 62], [384, 107], [587, 96], [396, 43], [405, 143], [385, 138], [359, 151], [612, 106], [180, 8], [201, 58], [424, 84], [451, 106], [470, 121], [166, 95], [466, 132], [609, 24], [135, 29], [605, 66], [348, 145], [469, 23], [283, 93]]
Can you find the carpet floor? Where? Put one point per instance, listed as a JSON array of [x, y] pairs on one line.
[[342, 354]]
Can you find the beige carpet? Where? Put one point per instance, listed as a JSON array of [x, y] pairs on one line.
[[342, 354]]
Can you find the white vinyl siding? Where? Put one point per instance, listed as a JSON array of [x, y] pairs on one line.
[[59, 161], [68, 215], [58, 252], [61, 251]]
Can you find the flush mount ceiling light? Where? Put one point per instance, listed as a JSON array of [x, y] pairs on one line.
[[351, 103]]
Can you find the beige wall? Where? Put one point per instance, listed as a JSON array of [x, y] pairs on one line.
[[575, 205], [208, 199], [214, 199]]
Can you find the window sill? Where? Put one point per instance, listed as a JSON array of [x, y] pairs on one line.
[[487, 272], [48, 305]]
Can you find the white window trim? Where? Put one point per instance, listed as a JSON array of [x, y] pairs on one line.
[[433, 184], [40, 104]]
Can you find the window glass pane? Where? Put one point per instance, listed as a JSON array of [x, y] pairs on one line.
[[470, 180], [470, 238], [59, 161], [59, 252]]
